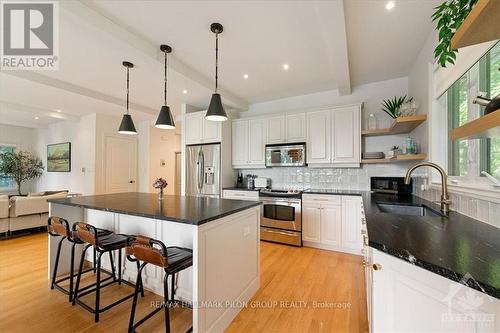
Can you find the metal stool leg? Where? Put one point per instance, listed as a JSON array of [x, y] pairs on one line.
[[167, 304], [112, 263], [71, 271], [119, 266], [98, 287], [138, 288], [80, 269], [56, 265], [173, 288]]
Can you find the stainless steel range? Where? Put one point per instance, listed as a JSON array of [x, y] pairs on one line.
[[281, 216]]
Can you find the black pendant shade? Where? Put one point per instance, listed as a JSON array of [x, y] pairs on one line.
[[165, 119], [127, 125], [215, 110]]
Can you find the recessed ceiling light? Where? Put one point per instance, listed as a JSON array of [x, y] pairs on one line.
[[58, 110], [245, 76], [184, 91], [37, 118], [389, 5], [286, 67]]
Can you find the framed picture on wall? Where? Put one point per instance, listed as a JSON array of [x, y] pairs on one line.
[[59, 157]]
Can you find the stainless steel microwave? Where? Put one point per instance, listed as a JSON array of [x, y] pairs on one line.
[[286, 155]]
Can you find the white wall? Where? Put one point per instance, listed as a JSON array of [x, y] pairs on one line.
[[82, 136]]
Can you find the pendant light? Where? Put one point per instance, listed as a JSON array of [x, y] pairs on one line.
[[127, 125], [165, 119], [215, 110]]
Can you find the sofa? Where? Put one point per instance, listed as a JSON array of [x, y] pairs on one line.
[[27, 212]]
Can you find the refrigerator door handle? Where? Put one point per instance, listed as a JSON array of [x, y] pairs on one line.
[[201, 166]]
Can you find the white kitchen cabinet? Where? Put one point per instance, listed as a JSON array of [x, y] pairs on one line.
[[311, 219], [240, 143], [319, 137], [295, 128], [346, 135], [332, 222], [407, 298], [351, 223], [334, 137], [199, 130], [240, 195], [276, 129], [248, 138], [331, 225]]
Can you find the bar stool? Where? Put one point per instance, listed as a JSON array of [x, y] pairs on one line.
[[102, 244], [172, 259], [59, 227]]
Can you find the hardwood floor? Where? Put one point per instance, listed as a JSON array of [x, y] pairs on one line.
[[289, 275]]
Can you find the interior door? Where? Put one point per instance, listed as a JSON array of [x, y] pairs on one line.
[[178, 166], [120, 164]]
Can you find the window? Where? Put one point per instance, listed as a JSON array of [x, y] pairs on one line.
[[470, 157], [6, 182]]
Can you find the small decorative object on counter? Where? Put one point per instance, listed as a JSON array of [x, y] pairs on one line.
[[395, 151], [239, 182], [160, 184], [371, 122], [411, 146]]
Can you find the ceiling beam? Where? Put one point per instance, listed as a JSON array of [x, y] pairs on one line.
[[37, 111], [76, 89], [87, 11], [341, 56]]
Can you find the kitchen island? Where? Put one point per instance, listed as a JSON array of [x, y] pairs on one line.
[[222, 233]]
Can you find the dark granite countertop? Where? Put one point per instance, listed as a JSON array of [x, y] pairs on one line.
[[183, 209], [450, 246], [241, 189]]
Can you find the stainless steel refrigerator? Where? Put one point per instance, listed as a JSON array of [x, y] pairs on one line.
[[203, 170]]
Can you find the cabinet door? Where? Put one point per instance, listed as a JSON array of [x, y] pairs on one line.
[[311, 223], [240, 143], [194, 128], [276, 129], [346, 135], [331, 225], [351, 223], [256, 142], [318, 137], [212, 130], [296, 127]]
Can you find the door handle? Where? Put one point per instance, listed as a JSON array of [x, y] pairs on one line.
[[132, 181]]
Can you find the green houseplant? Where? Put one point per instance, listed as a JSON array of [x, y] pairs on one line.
[[449, 16], [20, 166], [391, 106]]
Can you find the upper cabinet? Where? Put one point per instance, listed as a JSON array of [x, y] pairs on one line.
[[249, 141], [276, 130], [199, 130], [296, 127], [334, 137]]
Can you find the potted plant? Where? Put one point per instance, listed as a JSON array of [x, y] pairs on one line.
[[20, 166], [391, 106]]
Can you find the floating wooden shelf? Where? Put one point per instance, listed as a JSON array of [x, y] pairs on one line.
[[399, 158], [400, 125], [485, 127], [481, 25]]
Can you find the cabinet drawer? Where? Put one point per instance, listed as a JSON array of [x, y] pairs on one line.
[[240, 195], [320, 198]]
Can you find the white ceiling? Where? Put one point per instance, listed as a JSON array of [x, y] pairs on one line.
[[323, 52]]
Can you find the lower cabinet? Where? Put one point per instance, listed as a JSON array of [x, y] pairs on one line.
[[332, 222], [407, 298]]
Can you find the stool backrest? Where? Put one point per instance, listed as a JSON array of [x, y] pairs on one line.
[[85, 232], [147, 250], [57, 226]]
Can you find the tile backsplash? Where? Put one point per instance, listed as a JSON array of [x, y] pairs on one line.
[[329, 178]]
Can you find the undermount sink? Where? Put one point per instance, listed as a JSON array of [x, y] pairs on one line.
[[408, 210]]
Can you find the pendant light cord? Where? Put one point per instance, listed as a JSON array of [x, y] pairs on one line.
[[216, 60], [165, 88], [128, 84]]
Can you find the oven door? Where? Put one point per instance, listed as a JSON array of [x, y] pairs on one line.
[[281, 214]]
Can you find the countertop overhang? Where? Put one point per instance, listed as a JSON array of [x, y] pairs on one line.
[[182, 209], [451, 246]]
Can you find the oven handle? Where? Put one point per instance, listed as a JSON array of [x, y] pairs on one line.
[[280, 232], [281, 202]]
